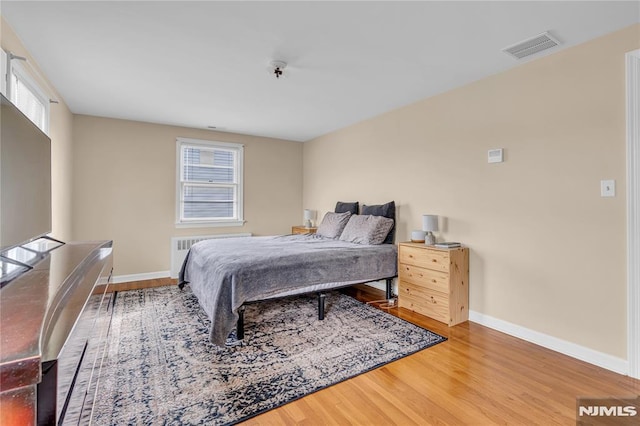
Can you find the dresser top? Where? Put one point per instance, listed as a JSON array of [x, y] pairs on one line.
[[37, 308], [424, 246]]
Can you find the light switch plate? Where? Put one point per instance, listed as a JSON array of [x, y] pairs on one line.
[[608, 188]]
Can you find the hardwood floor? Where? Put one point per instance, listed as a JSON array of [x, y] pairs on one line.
[[478, 377], [135, 285]]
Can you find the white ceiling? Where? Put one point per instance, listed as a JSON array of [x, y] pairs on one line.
[[204, 63]]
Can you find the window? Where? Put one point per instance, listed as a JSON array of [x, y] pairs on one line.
[[24, 92], [3, 72], [209, 191]]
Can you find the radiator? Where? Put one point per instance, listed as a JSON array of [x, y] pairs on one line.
[[181, 245]]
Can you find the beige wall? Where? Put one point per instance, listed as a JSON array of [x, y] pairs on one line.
[[125, 188], [547, 252], [60, 125]]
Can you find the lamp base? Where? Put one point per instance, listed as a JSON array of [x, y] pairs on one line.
[[307, 224], [429, 239]]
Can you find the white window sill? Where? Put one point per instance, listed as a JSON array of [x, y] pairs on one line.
[[220, 224]]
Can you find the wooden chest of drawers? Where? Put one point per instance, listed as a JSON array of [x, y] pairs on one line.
[[434, 281]]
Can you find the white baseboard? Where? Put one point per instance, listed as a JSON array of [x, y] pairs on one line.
[[573, 350], [117, 279]]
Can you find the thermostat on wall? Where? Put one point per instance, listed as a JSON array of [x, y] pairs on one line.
[[495, 156]]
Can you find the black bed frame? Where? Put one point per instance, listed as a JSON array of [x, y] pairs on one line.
[[321, 299]]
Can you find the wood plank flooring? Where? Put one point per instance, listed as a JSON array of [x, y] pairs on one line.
[[478, 377], [135, 285]]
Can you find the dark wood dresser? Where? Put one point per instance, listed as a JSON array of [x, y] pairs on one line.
[[46, 317]]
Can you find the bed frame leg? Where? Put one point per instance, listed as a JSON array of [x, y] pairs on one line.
[[389, 292], [240, 324], [321, 298]]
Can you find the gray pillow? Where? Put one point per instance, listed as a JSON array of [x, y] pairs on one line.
[[333, 224], [366, 229], [352, 207], [386, 210]]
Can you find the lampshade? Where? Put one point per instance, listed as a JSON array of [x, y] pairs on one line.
[[429, 222], [308, 214]]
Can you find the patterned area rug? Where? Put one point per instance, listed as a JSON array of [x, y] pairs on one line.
[[161, 368]]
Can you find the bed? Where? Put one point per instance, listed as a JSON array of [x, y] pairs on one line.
[[225, 274]]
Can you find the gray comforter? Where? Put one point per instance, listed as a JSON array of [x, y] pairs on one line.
[[225, 273]]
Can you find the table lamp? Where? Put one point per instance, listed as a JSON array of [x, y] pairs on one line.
[[429, 224], [308, 217]]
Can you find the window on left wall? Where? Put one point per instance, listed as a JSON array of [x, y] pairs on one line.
[[209, 183], [21, 89]]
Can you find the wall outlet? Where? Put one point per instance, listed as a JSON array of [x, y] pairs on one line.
[[608, 188]]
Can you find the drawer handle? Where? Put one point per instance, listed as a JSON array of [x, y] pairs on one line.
[[434, 260], [433, 281]]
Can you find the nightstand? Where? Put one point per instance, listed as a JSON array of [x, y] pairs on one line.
[[434, 281], [303, 230]]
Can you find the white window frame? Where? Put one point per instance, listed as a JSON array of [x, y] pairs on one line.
[[4, 66], [238, 220], [15, 67]]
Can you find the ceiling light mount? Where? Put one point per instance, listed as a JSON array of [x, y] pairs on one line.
[[277, 68]]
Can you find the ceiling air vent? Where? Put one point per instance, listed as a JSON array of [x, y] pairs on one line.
[[531, 46]]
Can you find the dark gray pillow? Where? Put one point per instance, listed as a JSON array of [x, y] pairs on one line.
[[333, 224], [366, 229], [386, 210], [347, 207]]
